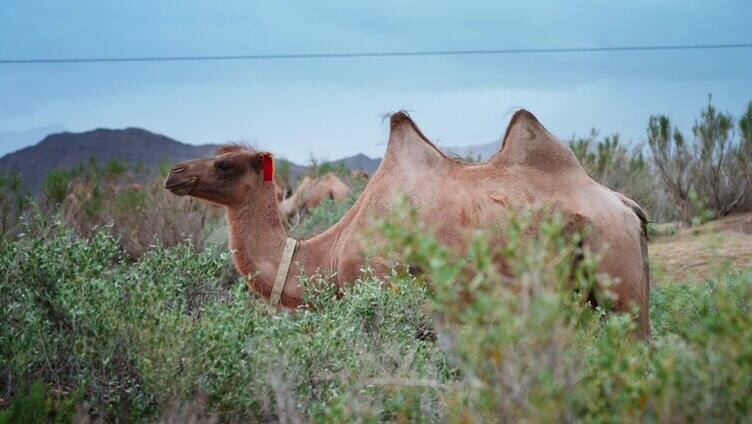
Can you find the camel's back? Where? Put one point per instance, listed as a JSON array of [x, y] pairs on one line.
[[453, 197], [613, 225]]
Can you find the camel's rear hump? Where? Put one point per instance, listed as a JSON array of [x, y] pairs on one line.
[[528, 143]]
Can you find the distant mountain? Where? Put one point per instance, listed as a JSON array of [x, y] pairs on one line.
[[131, 145], [11, 141], [360, 162], [475, 152], [66, 150]]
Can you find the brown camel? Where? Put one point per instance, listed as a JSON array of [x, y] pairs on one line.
[[310, 193], [451, 195]]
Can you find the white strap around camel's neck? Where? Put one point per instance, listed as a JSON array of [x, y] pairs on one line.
[[284, 266]]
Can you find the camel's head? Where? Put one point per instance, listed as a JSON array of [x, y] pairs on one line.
[[230, 177]]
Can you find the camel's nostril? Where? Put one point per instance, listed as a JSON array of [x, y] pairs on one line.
[[177, 169]]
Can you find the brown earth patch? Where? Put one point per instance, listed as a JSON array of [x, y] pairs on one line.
[[693, 253]]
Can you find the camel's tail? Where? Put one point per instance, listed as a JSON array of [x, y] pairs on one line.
[[640, 212]]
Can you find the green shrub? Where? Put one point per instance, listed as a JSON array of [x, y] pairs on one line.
[[14, 201], [164, 166], [140, 337], [328, 213], [530, 349], [130, 199], [317, 168], [92, 312], [57, 185], [115, 168], [34, 404], [167, 336]]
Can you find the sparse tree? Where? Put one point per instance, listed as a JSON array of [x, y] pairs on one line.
[[745, 126], [673, 160], [715, 172], [620, 167], [744, 153]]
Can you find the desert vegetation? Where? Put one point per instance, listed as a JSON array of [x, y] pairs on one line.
[[676, 177], [88, 332], [119, 303], [130, 201]]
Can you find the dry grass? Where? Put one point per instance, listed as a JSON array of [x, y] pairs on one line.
[[694, 253]]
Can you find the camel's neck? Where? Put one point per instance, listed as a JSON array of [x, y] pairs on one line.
[[257, 238]]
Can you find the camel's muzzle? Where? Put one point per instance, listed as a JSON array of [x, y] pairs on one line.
[[178, 183]]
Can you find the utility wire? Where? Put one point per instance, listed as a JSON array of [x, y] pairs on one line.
[[375, 54]]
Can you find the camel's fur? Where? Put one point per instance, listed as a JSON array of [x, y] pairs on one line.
[[450, 195]]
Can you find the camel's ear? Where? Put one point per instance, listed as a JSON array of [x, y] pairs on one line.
[[263, 162], [528, 143], [267, 167], [408, 146]]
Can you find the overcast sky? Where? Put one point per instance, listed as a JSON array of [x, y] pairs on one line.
[[333, 108]]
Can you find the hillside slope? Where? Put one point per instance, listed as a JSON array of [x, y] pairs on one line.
[[10, 141], [66, 150], [135, 146]]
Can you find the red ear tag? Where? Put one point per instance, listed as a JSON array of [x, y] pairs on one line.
[[268, 167]]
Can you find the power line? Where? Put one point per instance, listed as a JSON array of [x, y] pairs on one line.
[[351, 55]]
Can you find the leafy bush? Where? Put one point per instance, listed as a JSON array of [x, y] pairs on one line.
[[115, 168], [530, 349], [166, 336], [328, 213], [318, 168], [141, 336], [14, 201], [33, 404], [57, 185]]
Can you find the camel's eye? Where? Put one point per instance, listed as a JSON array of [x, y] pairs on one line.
[[223, 166]]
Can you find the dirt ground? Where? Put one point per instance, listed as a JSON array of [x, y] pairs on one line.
[[692, 253]]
